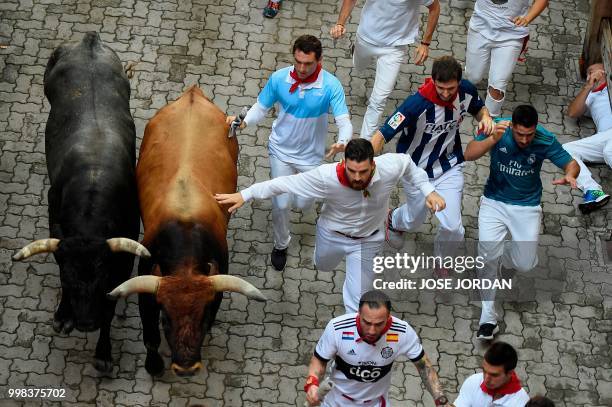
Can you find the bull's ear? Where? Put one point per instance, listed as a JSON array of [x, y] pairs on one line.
[[224, 282], [140, 284], [213, 269]]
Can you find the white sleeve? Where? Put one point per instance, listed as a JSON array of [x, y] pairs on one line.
[[326, 348], [411, 345], [345, 128], [255, 114], [416, 176], [464, 399], [309, 184]]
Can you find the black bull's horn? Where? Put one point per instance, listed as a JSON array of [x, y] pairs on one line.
[[116, 244], [150, 284]]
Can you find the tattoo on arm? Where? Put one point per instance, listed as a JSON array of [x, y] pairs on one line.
[[429, 377]]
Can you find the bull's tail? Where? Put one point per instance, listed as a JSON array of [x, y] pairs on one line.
[[129, 69]]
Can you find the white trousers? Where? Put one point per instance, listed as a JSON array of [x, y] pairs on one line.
[[332, 247], [281, 204], [495, 220], [335, 399], [594, 149], [499, 57], [411, 215], [388, 63]]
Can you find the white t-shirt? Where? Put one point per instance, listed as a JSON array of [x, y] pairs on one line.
[[363, 370], [471, 395], [493, 19], [598, 104], [389, 23]]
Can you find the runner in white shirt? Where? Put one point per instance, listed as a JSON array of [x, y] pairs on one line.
[[497, 385], [386, 28], [592, 98], [356, 199], [364, 346], [497, 34]]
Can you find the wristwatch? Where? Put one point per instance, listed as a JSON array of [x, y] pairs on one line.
[[441, 401]]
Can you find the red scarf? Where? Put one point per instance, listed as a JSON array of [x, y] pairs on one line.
[[513, 386], [341, 173], [384, 331], [309, 79], [600, 87], [428, 91]]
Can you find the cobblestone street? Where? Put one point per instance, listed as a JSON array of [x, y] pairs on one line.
[[257, 353]]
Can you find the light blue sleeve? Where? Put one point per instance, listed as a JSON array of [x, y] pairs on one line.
[[269, 96], [338, 100]]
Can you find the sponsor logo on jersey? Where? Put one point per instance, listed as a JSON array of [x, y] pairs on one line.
[[436, 129], [351, 352], [516, 169], [386, 352], [348, 335], [392, 337], [396, 120]]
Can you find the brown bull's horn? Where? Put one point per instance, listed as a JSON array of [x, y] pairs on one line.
[[38, 246], [235, 284], [140, 284], [123, 244]]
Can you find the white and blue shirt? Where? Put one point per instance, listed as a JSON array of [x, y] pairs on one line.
[[515, 172], [430, 133], [299, 133]]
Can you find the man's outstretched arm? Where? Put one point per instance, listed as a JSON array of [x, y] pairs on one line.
[[430, 379]]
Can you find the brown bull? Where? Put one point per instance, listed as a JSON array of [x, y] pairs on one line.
[[185, 157]]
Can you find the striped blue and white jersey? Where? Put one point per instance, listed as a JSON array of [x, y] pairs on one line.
[[429, 132]]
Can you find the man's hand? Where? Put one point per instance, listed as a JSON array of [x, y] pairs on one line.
[[421, 54], [312, 397], [521, 21], [500, 129], [337, 31], [235, 200], [566, 180], [335, 149], [594, 78], [435, 202], [486, 125], [230, 119]]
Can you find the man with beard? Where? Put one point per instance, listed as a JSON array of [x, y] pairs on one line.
[[429, 122], [364, 346], [356, 194]]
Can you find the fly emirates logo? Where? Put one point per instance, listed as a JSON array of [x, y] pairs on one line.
[[515, 168]]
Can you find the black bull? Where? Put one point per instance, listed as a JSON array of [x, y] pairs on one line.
[[93, 205]]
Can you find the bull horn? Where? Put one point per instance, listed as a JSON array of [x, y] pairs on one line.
[[123, 244], [39, 246], [236, 284], [140, 284]]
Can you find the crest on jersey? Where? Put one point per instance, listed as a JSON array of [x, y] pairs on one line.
[[396, 120], [531, 159], [386, 352]]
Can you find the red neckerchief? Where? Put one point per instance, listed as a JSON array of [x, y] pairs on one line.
[[600, 87], [428, 91], [341, 173], [523, 54], [513, 386], [309, 79], [385, 329]]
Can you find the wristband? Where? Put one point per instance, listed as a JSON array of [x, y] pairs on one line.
[[427, 44], [311, 381], [341, 25]]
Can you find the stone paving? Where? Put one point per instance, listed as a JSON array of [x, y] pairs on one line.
[[257, 353]]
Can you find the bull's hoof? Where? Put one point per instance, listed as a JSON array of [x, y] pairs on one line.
[[154, 364], [63, 325], [103, 366]]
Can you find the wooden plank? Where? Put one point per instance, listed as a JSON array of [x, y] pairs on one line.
[[606, 51], [591, 51]]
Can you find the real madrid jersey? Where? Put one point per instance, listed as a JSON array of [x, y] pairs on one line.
[[363, 370], [515, 172]]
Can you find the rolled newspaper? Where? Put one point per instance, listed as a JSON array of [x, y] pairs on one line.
[[324, 388]]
